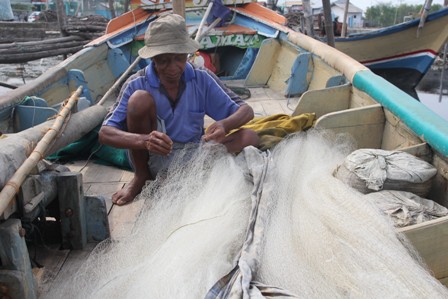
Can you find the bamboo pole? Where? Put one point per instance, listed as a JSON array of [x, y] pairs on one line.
[[204, 18], [207, 30], [11, 188]]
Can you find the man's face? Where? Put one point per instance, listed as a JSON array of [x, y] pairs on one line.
[[170, 67]]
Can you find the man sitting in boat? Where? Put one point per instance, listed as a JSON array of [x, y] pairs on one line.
[[161, 108]]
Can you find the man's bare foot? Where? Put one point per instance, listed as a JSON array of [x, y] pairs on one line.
[[129, 192]]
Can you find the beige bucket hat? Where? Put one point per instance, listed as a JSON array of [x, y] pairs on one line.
[[167, 34]]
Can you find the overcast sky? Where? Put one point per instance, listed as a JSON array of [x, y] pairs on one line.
[[363, 4]]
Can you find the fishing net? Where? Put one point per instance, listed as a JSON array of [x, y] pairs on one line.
[[259, 224]]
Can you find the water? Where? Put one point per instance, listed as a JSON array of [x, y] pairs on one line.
[[21, 73], [435, 103]]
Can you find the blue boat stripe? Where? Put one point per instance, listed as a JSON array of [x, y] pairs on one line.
[[425, 123], [420, 62]]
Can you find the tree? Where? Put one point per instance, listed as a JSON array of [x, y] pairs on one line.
[[126, 6], [112, 8], [385, 14]]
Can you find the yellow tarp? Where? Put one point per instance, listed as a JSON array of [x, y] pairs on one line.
[[272, 129]]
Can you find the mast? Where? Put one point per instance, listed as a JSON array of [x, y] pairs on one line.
[[179, 7], [307, 15], [344, 22], [329, 30]]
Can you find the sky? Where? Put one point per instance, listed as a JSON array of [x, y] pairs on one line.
[[363, 4]]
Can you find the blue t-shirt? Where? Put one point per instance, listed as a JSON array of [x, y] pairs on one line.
[[184, 122]]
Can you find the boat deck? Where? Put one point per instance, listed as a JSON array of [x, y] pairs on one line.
[[59, 265]]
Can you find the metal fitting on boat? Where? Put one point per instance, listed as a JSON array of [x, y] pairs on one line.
[[68, 212], [3, 289]]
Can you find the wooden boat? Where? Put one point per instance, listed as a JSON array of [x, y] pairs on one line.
[[403, 53], [278, 66]]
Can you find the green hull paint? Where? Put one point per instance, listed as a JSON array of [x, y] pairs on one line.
[[425, 123]]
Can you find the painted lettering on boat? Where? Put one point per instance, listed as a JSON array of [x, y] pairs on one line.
[[237, 40], [188, 3]]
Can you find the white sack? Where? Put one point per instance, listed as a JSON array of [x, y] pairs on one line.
[[406, 208], [369, 170]]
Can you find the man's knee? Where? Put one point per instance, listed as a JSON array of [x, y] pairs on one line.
[[250, 137], [242, 138], [141, 103]]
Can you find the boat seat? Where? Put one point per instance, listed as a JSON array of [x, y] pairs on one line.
[[364, 124], [324, 101], [301, 71], [34, 111], [76, 78], [117, 61], [336, 81], [261, 70], [31, 112]]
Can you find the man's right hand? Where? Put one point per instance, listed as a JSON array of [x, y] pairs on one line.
[[159, 143]]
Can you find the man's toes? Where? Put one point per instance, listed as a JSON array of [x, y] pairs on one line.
[[122, 201]]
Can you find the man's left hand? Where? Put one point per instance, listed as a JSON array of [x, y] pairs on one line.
[[216, 132]]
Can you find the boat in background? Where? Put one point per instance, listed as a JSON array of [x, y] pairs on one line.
[[254, 49], [403, 53]]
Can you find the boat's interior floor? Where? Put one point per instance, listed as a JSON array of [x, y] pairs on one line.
[[54, 266]]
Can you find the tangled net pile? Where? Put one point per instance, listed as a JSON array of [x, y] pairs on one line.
[[319, 238]]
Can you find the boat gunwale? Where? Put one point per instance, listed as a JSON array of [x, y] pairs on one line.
[[435, 16]]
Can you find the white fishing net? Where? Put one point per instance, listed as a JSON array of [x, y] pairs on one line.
[[320, 240], [325, 241]]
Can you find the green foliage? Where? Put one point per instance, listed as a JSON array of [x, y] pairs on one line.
[[21, 6], [386, 14]]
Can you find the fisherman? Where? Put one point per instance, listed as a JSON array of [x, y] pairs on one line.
[[161, 108]]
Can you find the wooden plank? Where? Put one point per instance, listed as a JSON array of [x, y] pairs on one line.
[[122, 218], [323, 101], [258, 109], [15, 260], [444, 281], [72, 210], [127, 176], [97, 173], [258, 94], [77, 166], [262, 68], [105, 189], [73, 261], [289, 105], [272, 107], [284, 59], [365, 124], [431, 241], [52, 259]]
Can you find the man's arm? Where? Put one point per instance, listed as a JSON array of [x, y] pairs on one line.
[[156, 142], [218, 130]]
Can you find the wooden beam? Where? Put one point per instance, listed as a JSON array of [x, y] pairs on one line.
[[179, 7]]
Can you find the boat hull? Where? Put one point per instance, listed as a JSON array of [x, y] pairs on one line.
[[346, 97], [402, 54]]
